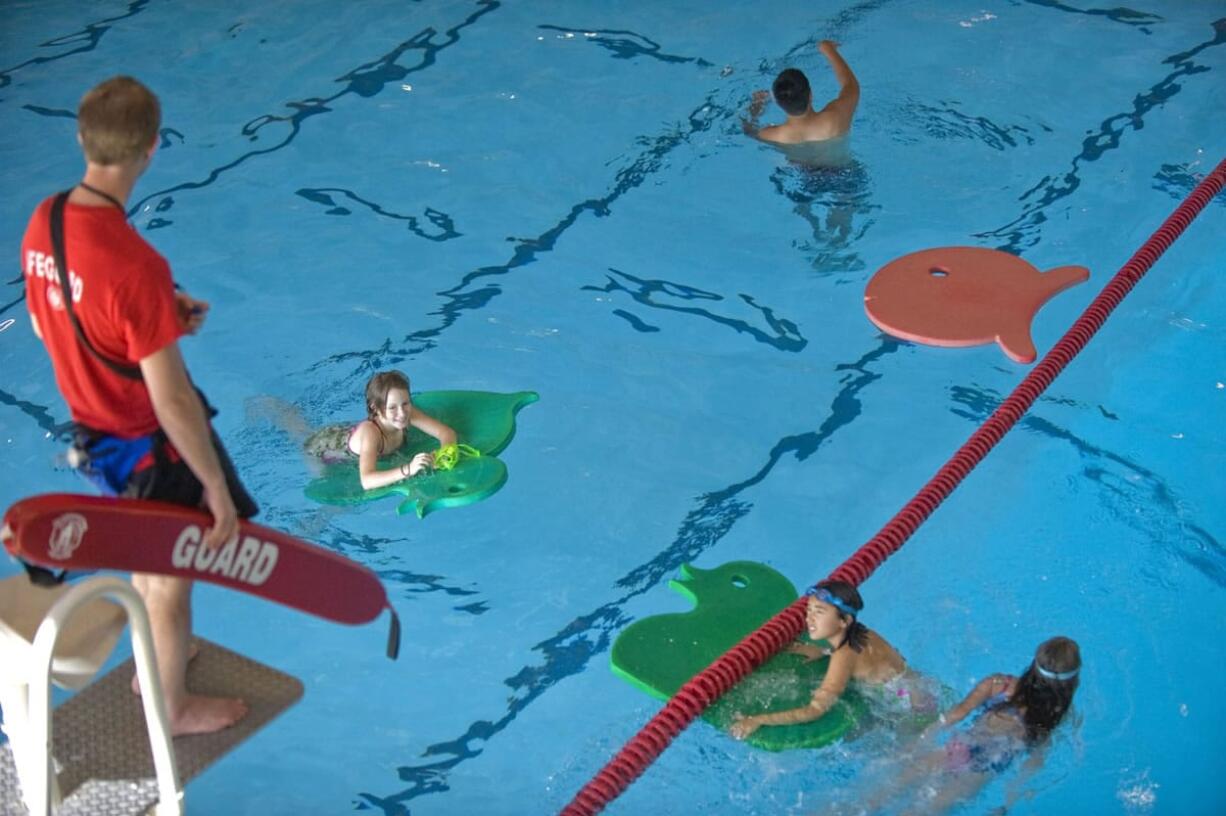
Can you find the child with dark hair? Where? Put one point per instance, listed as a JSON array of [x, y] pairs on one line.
[[792, 92], [389, 413], [1012, 716], [1018, 713], [804, 124], [856, 653]]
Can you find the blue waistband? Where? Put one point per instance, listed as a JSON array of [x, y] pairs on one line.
[[110, 461]]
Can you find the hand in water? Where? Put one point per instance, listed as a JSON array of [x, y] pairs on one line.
[[756, 105], [809, 651], [743, 727]]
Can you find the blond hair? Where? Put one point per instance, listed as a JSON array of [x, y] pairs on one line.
[[118, 121]]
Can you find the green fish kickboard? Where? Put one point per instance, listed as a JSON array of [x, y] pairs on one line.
[[661, 653], [483, 420]]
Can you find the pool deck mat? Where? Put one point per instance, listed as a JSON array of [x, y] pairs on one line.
[[102, 743]]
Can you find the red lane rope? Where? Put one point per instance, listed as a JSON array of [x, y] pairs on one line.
[[706, 686]]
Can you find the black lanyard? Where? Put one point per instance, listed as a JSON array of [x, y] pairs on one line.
[[118, 204], [61, 265]]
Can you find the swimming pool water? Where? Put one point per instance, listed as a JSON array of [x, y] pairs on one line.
[[511, 196]]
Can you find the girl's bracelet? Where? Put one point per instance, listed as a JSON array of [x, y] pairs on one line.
[[404, 470]]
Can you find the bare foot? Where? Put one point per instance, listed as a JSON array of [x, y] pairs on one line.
[[204, 715], [193, 649]]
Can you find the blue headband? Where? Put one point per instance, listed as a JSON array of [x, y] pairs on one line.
[[826, 596], [1051, 675]]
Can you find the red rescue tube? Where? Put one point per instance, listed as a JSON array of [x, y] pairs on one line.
[[70, 531]]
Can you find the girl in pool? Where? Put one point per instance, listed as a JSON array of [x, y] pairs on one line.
[[856, 653], [1023, 710], [390, 413], [1012, 716]]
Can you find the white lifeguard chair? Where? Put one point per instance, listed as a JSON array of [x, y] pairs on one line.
[[98, 755], [106, 751]]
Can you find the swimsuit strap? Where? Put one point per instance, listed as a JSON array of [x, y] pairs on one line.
[[354, 429]]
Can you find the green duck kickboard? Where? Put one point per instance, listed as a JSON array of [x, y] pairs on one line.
[[661, 653], [481, 419]]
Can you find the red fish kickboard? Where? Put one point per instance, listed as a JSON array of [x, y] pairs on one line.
[[965, 296], [69, 531]]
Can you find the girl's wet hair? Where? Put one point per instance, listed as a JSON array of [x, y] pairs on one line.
[[377, 388], [1045, 690], [849, 598]]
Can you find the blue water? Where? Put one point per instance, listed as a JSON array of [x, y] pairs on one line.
[[558, 197]]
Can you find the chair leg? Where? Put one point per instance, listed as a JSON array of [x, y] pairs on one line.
[[15, 700]]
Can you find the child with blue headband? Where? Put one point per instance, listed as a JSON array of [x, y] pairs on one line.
[[1012, 716], [856, 653], [1015, 714]]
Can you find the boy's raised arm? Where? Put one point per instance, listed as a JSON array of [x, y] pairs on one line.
[[848, 84]]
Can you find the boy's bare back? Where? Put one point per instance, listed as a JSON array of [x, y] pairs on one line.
[[831, 122]]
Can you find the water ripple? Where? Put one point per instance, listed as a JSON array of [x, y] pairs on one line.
[[441, 220], [946, 122], [1137, 496], [41, 414], [478, 287], [784, 335], [419, 583], [365, 81], [1138, 19], [624, 44], [836, 28], [320, 527], [829, 199], [1178, 181], [1023, 231], [89, 36], [53, 113], [19, 298]]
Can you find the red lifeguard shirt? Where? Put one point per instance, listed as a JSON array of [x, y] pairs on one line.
[[122, 294]]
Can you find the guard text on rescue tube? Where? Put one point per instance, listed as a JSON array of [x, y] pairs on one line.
[[242, 558]]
